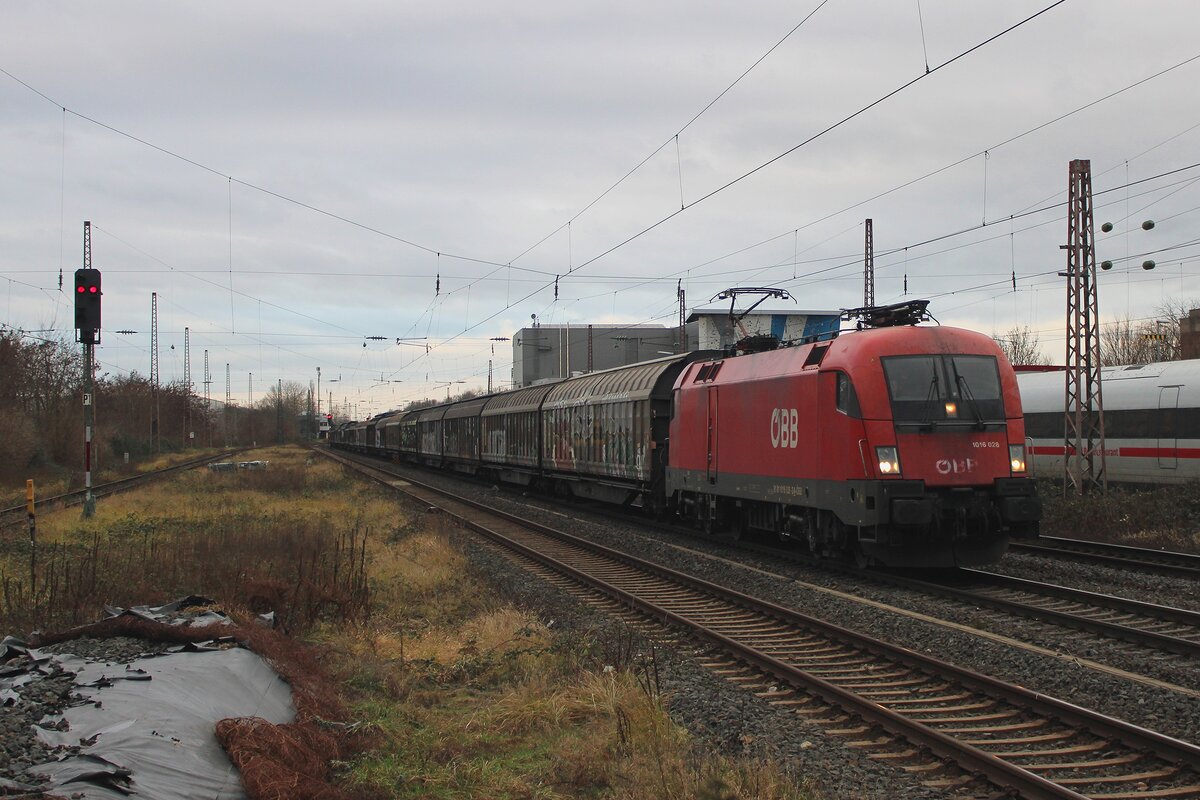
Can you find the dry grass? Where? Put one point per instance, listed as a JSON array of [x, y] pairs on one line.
[[290, 539], [50, 481], [469, 697], [44, 486], [459, 694]]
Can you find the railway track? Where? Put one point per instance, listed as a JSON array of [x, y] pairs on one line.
[[1147, 625], [1186, 565], [16, 514], [1172, 630], [893, 703]]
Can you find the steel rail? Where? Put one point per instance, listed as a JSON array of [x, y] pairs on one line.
[[1066, 619], [16, 514], [974, 759], [1186, 565]]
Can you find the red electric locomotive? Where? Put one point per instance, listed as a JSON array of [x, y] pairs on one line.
[[898, 444]]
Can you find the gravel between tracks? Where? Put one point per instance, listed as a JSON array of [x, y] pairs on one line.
[[1145, 586]]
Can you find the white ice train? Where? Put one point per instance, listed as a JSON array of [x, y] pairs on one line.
[[1151, 421]]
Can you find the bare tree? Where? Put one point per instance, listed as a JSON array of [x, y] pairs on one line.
[[285, 411], [1128, 342], [1022, 347], [1168, 323]]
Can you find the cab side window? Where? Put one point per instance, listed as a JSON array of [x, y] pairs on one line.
[[847, 400]]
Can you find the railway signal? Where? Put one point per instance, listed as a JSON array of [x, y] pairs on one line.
[[87, 304], [87, 331]]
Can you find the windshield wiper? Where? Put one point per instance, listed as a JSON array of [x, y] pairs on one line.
[[965, 390], [927, 422]]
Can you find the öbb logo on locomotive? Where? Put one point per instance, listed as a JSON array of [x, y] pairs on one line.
[[785, 427], [956, 466]]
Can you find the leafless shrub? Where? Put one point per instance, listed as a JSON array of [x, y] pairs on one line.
[[1022, 347], [308, 569]]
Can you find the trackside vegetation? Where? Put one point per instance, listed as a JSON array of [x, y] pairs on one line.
[[437, 686], [1161, 517]]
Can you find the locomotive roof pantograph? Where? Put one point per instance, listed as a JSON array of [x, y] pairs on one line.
[[910, 312]]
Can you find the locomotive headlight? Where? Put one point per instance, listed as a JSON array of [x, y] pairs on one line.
[[889, 460], [1016, 457]]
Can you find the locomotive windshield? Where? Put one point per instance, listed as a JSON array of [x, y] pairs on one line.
[[930, 390]]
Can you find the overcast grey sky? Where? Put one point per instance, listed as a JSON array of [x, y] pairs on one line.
[[306, 172]]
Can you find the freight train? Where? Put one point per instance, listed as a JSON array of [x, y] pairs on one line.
[[1151, 421], [895, 444]]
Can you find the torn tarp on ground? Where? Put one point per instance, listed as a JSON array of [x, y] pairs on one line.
[[145, 727], [155, 717]]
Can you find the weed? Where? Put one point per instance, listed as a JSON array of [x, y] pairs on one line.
[[469, 697], [249, 538], [1163, 517], [459, 694]]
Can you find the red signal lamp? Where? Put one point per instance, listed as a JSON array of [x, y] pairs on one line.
[[87, 304]]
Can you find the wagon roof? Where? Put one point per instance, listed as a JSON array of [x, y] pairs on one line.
[[635, 382], [527, 399], [467, 408], [396, 418], [431, 414]]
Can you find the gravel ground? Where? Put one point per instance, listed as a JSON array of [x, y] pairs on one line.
[[38, 688], [1167, 711], [19, 748]]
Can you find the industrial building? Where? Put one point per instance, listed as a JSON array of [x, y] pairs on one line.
[[551, 352]]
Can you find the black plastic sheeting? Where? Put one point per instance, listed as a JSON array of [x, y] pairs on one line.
[[146, 728]]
